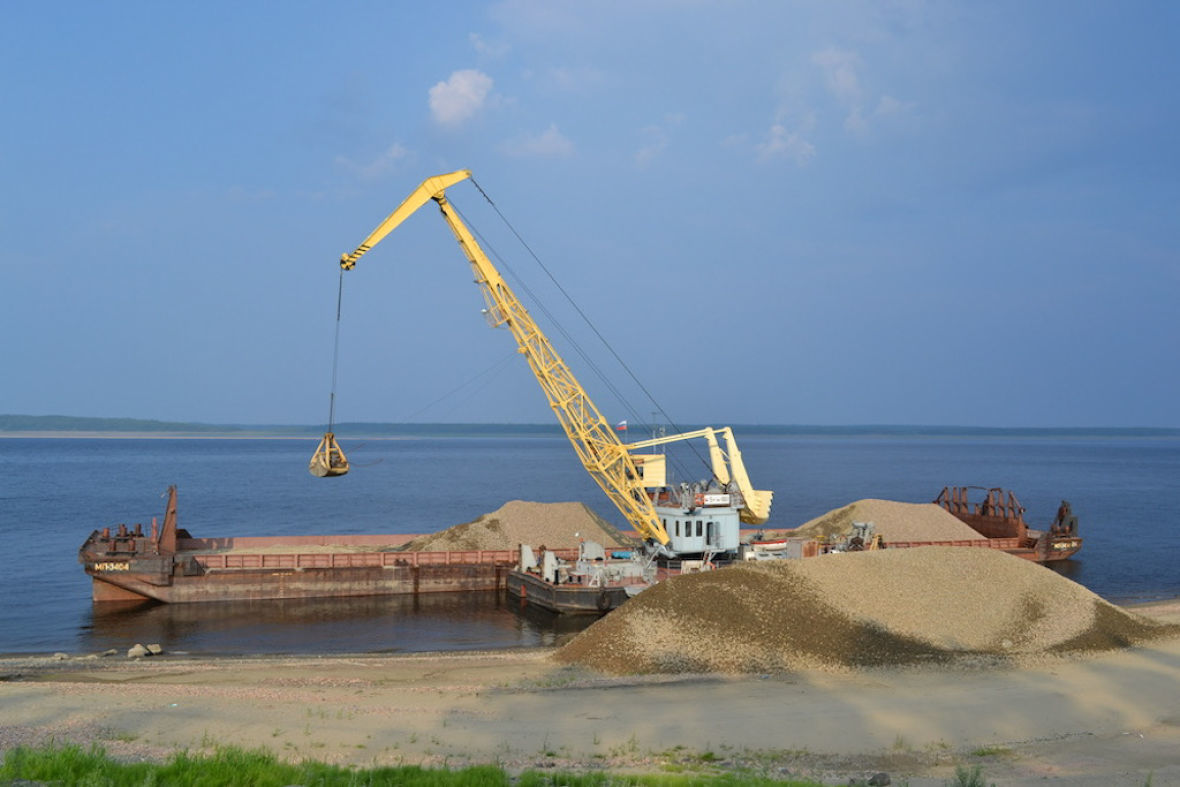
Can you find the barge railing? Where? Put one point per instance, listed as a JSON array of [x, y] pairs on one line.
[[247, 560]]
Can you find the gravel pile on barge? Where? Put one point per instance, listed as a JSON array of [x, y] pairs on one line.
[[891, 607], [553, 525], [894, 521]]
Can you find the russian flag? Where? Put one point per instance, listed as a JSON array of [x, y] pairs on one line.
[[621, 426]]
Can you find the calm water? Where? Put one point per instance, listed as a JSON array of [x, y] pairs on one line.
[[53, 492]]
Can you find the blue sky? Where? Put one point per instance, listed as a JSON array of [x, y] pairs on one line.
[[776, 212]]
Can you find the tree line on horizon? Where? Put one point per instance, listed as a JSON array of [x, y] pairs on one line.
[[66, 423]]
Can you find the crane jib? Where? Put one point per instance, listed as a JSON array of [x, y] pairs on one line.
[[604, 456]]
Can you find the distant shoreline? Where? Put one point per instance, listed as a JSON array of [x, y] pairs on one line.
[[83, 435], [384, 432]]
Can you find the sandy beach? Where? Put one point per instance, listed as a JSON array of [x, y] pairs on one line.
[[1106, 719]]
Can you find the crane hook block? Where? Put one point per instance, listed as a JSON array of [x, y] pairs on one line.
[[328, 460]]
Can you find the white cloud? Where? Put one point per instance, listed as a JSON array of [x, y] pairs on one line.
[[382, 165], [575, 79], [843, 84], [855, 123], [889, 106], [888, 109], [657, 140], [550, 143], [656, 145], [457, 100], [488, 48], [783, 143], [840, 74], [740, 140]]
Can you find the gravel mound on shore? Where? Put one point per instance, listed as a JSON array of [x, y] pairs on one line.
[[893, 520], [553, 525], [891, 607]]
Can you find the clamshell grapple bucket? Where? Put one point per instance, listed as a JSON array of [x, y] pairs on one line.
[[328, 460]]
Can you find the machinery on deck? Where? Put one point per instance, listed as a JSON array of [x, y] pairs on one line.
[[693, 519], [861, 538], [728, 470], [596, 582], [999, 516]]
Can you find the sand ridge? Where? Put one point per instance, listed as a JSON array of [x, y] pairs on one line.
[[841, 611], [895, 521], [554, 525]]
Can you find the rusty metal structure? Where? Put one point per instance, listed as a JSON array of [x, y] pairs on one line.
[[167, 565], [999, 517]]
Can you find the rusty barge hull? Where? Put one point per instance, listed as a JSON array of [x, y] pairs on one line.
[[289, 572], [168, 566], [245, 584], [999, 517], [565, 599]]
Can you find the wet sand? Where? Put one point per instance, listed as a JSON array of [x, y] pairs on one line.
[[1107, 719]]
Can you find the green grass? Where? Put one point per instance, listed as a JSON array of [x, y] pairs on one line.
[[230, 766], [538, 779], [969, 777]]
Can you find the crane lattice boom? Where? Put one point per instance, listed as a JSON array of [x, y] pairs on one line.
[[596, 444]]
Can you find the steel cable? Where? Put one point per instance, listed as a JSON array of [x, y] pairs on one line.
[[594, 367]]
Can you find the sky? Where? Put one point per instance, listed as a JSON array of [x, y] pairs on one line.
[[942, 213]]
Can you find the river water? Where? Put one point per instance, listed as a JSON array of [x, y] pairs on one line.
[[55, 491]]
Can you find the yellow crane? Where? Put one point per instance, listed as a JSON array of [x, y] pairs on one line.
[[619, 473], [596, 443], [727, 466]]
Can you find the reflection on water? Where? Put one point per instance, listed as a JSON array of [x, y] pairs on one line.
[[377, 624]]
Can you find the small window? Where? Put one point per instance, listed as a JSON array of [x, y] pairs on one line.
[[700, 529]]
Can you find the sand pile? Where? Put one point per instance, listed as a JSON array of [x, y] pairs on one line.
[[554, 525], [891, 607], [894, 521]]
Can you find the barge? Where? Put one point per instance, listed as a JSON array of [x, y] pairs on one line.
[[999, 517], [167, 565], [593, 583]]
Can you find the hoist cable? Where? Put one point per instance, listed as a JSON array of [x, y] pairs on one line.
[[335, 353], [540, 306], [490, 373], [592, 326]]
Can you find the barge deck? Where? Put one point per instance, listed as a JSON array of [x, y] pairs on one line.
[[169, 566]]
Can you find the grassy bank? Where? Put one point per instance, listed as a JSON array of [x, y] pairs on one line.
[[232, 766]]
